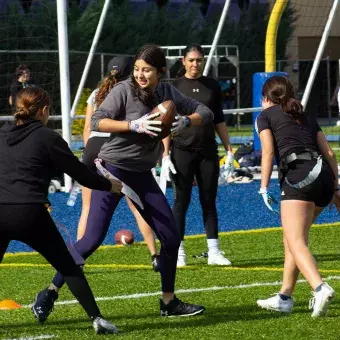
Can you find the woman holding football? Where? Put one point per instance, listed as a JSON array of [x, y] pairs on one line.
[[130, 154], [119, 68]]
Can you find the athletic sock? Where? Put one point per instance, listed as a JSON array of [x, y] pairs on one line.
[[181, 250], [212, 246], [318, 288], [285, 297]]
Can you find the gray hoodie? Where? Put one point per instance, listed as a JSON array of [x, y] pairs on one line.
[[136, 151]]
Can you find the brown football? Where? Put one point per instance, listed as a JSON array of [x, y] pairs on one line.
[[168, 113], [124, 237]]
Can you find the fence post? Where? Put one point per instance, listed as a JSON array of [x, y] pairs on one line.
[[102, 66]]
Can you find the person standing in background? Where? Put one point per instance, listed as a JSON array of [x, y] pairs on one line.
[[22, 80], [194, 153]]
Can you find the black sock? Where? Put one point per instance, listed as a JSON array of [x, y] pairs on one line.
[[318, 288], [285, 297]]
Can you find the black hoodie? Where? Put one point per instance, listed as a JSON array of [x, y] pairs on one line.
[[30, 155]]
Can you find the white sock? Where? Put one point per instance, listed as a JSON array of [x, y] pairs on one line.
[[181, 250], [212, 246]]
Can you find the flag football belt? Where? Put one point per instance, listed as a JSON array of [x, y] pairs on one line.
[[305, 156]]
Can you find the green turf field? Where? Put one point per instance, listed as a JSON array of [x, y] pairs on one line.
[[229, 294]]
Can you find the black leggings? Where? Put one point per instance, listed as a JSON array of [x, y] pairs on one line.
[[92, 150], [204, 164], [33, 225]]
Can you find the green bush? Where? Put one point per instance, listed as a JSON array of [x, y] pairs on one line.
[[78, 124]]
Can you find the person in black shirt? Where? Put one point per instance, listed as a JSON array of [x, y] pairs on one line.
[[308, 174], [194, 153], [29, 154], [22, 80]]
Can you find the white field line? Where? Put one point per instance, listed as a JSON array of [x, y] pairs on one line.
[[34, 337], [193, 290]]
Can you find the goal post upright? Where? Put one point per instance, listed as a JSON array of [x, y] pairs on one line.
[[64, 77], [319, 53], [270, 62]]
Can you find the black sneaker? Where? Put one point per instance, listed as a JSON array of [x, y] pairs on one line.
[[43, 304], [155, 263], [102, 326], [178, 308]]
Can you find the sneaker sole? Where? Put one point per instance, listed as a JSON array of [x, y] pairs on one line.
[[275, 309], [184, 315], [325, 310]]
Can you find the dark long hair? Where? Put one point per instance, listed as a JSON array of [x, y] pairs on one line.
[[29, 101], [154, 56], [279, 90], [190, 48]]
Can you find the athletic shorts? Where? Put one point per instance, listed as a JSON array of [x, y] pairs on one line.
[[91, 151], [320, 191]]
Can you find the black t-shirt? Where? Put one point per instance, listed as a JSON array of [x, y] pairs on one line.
[[16, 86], [208, 92], [289, 135]]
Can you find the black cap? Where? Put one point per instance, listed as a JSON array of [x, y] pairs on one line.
[[122, 64]]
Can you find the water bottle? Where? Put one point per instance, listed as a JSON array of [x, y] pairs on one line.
[[73, 194]]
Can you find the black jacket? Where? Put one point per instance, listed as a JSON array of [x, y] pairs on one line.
[[30, 154]]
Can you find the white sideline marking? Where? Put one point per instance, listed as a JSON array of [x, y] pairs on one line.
[[34, 337], [194, 290]]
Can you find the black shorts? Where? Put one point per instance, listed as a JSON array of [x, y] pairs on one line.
[[91, 151], [320, 192]]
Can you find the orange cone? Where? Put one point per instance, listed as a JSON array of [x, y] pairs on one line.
[[9, 304]]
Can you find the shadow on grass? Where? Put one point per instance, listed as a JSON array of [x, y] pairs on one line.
[[278, 261], [211, 317]]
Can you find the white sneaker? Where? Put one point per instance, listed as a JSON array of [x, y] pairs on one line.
[[182, 260], [102, 326], [276, 303], [218, 259], [321, 300]]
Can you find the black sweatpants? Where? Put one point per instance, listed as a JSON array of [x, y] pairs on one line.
[[204, 164], [33, 225]]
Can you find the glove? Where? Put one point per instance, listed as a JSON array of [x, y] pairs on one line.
[[167, 167], [269, 200], [181, 123], [229, 165], [146, 125], [117, 186]]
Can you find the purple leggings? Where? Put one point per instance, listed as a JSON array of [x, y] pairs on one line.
[[157, 213]]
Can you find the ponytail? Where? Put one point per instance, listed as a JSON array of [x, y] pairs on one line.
[[293, 107], [279, 90], [104, 87]]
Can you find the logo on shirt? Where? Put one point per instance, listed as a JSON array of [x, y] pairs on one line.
[[195, 90]]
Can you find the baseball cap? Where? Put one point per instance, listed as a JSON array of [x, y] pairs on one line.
[[122, 64]]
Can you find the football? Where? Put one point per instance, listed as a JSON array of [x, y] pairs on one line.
[[124, 237], [168, 113]]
